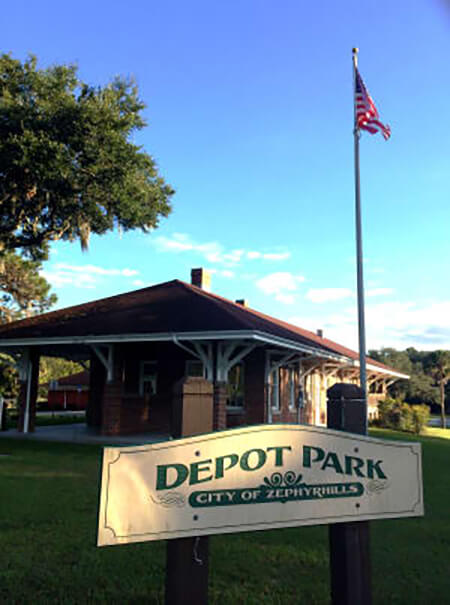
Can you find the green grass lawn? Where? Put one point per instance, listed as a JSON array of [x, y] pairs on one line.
[[49, 420], [48, 509]]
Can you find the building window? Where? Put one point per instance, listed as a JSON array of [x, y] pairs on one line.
[[147, 378], [274, 389], [195, 368], [235, 387]]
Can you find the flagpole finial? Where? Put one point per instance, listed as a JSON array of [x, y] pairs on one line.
[[355, 50]]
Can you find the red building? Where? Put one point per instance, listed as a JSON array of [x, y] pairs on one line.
[[70, 392]]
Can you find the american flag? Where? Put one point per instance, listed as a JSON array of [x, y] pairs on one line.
[[366, 113]]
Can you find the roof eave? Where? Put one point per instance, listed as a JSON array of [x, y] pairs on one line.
[[381, 370], [257, 335], [7, 344]]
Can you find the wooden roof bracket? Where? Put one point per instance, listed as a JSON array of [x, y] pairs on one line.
[[202, 351], [225, 361], [270, 367], [106, 361], [309, 370]]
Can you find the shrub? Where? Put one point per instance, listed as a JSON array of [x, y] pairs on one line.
[[421, 415], [389, 413], [395, 414], [406, 422]]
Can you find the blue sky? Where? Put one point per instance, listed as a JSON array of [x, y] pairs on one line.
[[249, 109]]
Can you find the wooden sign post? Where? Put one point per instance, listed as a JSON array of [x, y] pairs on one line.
[[187, 565], [349, 542]]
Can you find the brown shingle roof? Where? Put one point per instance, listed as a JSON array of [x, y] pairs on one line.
[[170, 307]]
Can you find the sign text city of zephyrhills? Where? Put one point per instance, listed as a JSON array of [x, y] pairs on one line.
[[255, 478]]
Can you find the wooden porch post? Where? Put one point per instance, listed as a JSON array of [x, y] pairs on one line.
[[28, 390]]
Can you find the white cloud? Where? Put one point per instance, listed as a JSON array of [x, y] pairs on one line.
[[213, 252], [93, 270], [178, 243], [410, 324], [323, 295], [234, 256], [276, 282], [222, 272], [181, 242], [138, 283], [276, 255], [282, 285], [227, 273], [61, 275], [126, 272], [389, 324], [60, 279]]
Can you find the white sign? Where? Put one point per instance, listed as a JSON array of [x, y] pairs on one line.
[[255, 478]]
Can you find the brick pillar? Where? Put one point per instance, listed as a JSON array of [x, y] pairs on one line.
[[97, 381], [220, 406], [112, 398], [255, 390], [349, 542], [34, 359]]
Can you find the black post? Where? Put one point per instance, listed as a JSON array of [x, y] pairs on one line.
[[187, 564], [187, 571], [349, 542]]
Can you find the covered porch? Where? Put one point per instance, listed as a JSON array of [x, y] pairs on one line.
[[255, 378]]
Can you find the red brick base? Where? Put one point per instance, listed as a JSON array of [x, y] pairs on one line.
[[220, 406]]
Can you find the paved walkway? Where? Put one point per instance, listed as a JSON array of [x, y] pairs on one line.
[[81, 433]]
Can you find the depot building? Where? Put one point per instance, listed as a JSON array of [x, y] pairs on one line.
[[139, 345]]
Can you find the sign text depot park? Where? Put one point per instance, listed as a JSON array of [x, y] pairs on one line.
[[255, 478]]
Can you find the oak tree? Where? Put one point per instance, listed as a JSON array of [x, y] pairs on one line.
[[23, 291], [68, 163]]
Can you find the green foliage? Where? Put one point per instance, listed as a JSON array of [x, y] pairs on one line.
[[67, 165], [438, 365], [23, 291], [422, 386], [421, 416], [9, 386], [398, 415], [52, 368]]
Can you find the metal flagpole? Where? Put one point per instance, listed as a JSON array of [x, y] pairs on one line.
[[359, 254]]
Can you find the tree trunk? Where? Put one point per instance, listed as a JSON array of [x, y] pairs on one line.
[[442, 385]]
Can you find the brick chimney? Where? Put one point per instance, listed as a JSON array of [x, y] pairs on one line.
[[242, 301], [319, 333], [201, 278]]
